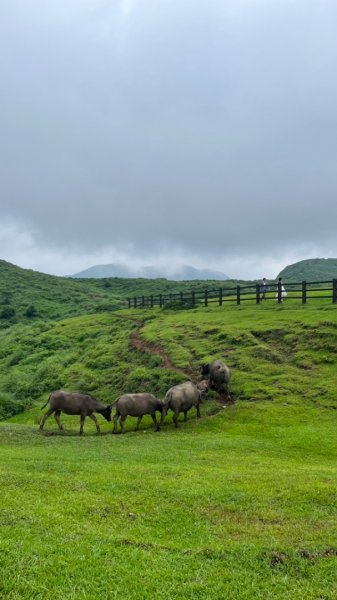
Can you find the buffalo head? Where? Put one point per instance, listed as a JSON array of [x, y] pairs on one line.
[[106, 413]]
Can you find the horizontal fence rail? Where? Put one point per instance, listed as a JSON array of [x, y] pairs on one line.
[[257, 293]]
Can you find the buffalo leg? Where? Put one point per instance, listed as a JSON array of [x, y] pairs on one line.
[[94, 419], [163, 415], [157, 426], [138, 423], [45, 417], [175, 417], [121, 422], [82, 423], [185, 416], [198, 411], [115, 419], [57, 419]]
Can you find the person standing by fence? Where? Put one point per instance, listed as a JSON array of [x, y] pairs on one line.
[[280, 290], [264, 288]]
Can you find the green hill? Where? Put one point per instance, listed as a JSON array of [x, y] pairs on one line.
[[313, 269], [27, 294], [239, 504]]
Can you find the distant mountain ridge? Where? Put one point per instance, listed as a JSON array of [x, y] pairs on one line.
[[183, 273], [312, 269]]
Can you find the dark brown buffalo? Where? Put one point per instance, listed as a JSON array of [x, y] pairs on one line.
[[136, 405], [182, 397], [219, 376], [74, 403]]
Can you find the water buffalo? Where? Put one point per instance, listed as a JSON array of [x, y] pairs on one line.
[[181, 397], [219, 376], [136, 405], [74, 403]]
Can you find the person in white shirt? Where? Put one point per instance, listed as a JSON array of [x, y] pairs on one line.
[[283, 290]]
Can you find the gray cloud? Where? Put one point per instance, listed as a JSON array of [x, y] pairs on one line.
[[142, 128]]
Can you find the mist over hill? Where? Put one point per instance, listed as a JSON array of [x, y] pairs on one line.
[[182, 273], [312, 269]]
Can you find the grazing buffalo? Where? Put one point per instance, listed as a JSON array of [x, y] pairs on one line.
[[181, 397], [74, 403], [136, 405], [219, 376]]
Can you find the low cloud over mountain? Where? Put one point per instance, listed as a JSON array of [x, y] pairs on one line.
[[185, 272]]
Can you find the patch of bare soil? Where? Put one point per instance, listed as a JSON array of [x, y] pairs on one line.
[[138, 343]]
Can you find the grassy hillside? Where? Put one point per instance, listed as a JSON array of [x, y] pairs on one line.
[[314, 269], [88, 353], [239, 504], [51, 297], [145, 287], [27, 295]]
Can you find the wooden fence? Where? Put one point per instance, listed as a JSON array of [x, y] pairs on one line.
[[240, 293]]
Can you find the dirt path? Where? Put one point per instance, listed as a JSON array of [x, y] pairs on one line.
[[138, 343]]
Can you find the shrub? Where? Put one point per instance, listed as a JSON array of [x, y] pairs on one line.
[[7, 313], [9, 406], [178, 305], [31, 311], [6, 297]]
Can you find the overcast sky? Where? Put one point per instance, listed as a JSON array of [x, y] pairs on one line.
[[166, 131]]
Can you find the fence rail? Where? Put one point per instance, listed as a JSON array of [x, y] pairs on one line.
[[240, 293]]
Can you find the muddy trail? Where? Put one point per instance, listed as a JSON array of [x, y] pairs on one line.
[[138, 343]]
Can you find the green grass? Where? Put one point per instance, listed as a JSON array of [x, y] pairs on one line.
[[90, 353], [52, 297], [239, 504]]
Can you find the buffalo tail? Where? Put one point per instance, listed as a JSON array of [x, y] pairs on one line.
[[44, 406]]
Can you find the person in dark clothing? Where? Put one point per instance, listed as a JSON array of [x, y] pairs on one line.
[[264, 288]]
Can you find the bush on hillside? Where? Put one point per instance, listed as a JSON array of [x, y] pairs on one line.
[[105, 307], [6, 297], [9, 406], [31, 311], [7, 313], [47, 378], [178, 305]]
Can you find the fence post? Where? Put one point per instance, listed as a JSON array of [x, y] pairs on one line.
[[135, 302], [151, 299], [143, 300], [206, 298], [238, 299], [160, 300], [129, 302], [279, 292], [334, 291], [220, 296], [181, 297], [304, 292], [257, 293], [193, 298]]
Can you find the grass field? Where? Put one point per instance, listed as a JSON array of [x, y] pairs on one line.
[[238, 504]]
